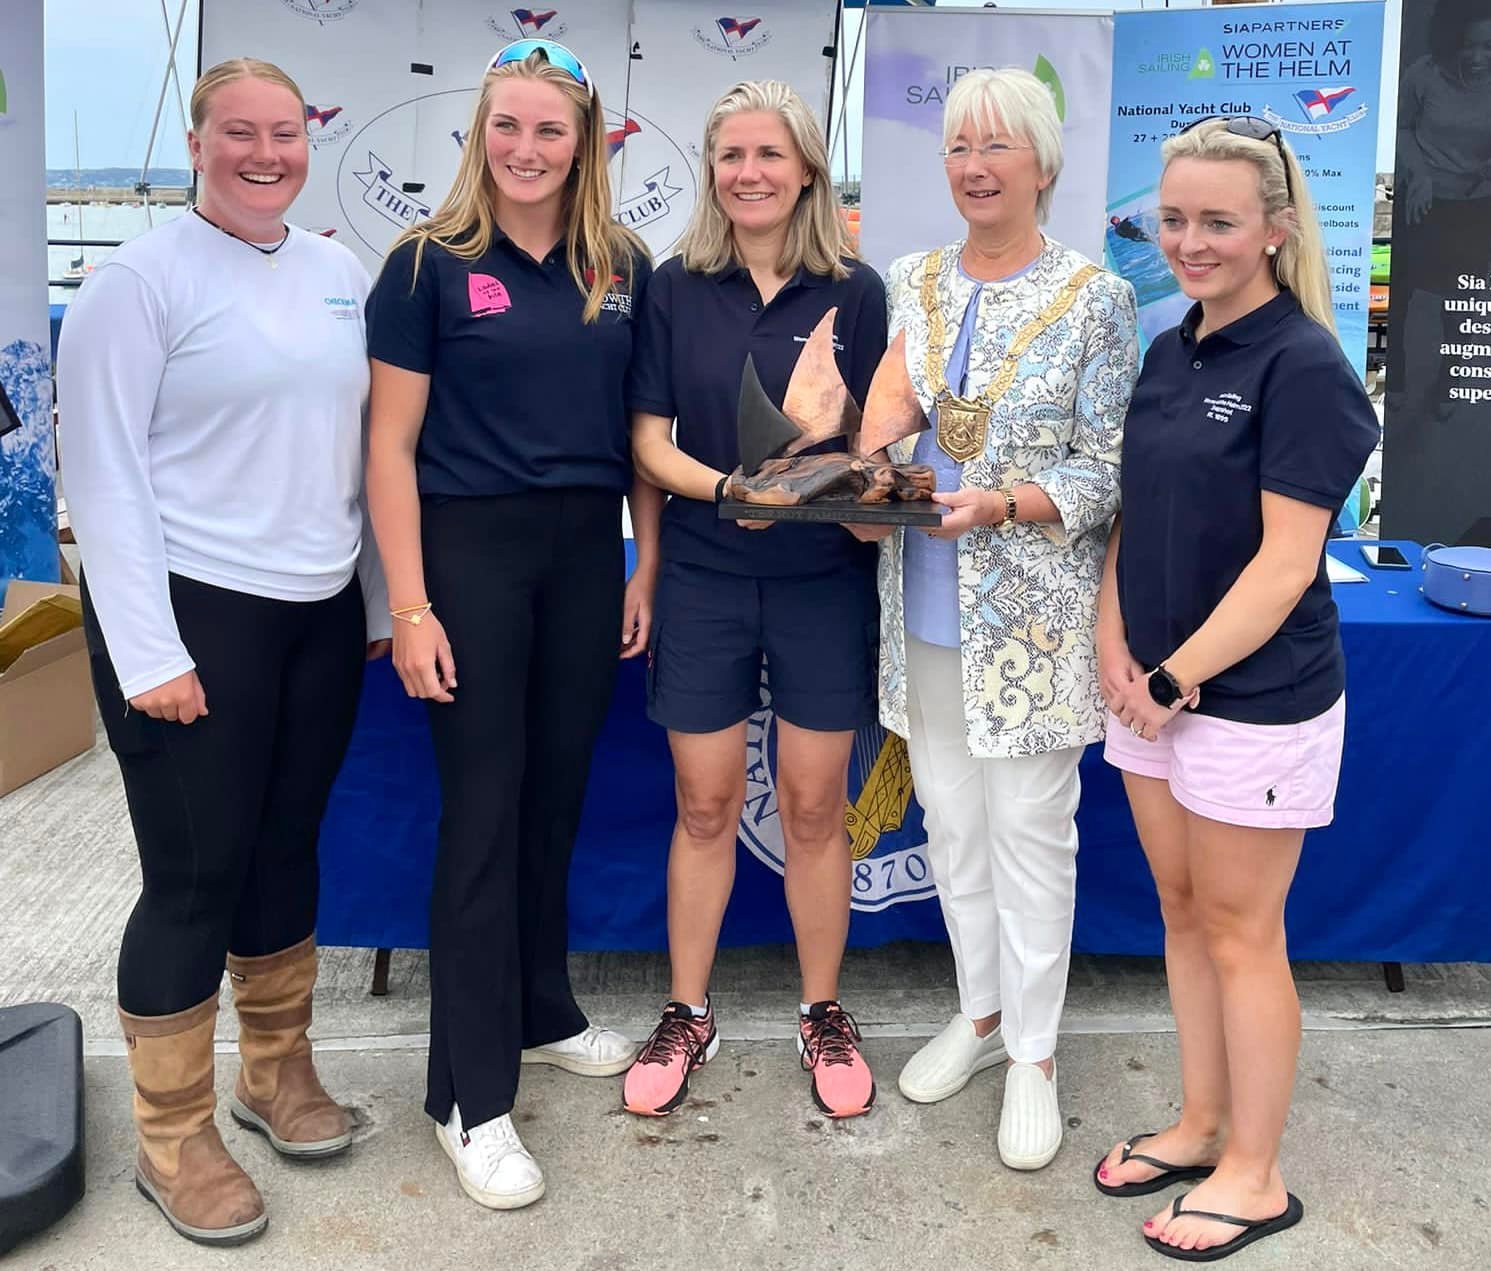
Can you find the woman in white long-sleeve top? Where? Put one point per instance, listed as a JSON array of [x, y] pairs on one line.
[[1023, 355], [212, 377]]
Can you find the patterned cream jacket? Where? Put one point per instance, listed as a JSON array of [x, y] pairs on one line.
[[1027, 593]]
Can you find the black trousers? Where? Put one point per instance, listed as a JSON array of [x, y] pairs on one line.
[[529, 589], [227, 809]]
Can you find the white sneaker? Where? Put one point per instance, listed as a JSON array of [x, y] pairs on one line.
[[946, 1063], [1030, 1121], [493, 1166], [597, 1052]]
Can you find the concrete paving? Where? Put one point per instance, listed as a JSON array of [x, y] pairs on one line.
[[1386, 1144], [1385, 1148]]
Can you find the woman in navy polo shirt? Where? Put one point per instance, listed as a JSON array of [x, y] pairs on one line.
[[500, 333], [765, 256], [1220, 656]]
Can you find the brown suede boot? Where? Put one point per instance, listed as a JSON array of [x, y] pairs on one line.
[[182, 1164], [278, 1092]]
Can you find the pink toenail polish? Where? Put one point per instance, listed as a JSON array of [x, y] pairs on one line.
[[1148, 1223], [1103, 1173]]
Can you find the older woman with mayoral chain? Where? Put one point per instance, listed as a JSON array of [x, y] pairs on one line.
[[1023, 354], [212, 376], [1246, 432], [501, 331]]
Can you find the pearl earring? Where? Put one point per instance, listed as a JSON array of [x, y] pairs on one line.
[[1270, 250]]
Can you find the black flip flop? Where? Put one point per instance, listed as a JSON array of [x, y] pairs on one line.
[[1253, 1229], [1172, 1174]]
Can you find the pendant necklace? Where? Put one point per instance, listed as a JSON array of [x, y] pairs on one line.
[[267, 252]]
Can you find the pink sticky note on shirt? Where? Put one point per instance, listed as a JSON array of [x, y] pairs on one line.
[[488, 295]]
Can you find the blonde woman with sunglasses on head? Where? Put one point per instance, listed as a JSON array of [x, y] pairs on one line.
[[500, 333]]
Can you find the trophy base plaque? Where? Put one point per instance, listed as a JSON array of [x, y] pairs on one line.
[[835, 511]]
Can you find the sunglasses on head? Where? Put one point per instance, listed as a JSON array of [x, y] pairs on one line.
[[555, 54], [1255, 129]]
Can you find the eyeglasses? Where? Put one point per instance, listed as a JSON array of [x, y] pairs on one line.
[[957, 156], [555, 54], [1255, 129]]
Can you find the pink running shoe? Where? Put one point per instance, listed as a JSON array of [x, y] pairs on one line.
[[659, 1079], [828, 1045]]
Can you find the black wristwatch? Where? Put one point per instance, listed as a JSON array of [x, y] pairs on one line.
[[1164, 688]]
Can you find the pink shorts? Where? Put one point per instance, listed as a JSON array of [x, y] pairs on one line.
[[1265, 776]]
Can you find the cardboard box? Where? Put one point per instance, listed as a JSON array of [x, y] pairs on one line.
[[46, 696]]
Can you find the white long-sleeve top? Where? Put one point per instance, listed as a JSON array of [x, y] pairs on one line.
[[212, 416]]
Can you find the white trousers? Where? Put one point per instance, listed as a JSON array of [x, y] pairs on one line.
[[1002, 841]]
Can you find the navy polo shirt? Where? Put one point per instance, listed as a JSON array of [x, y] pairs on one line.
[[524, 394], [695, 332], [1268, 402]]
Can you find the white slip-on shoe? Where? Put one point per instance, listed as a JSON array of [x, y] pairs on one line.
[[597, 1052], [1030, 1121], [492, 1165], [946, 1063]]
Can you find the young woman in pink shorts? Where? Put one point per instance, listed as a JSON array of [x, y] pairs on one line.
[[1220, 657]]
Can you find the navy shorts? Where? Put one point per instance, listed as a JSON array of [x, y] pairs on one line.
[[819, 634]]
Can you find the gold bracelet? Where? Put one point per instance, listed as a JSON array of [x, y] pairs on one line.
[[1011, 508], [412, 614]]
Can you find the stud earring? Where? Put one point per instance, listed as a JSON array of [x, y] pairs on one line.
[[1270, 250]]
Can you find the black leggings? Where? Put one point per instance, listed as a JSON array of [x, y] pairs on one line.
[[529, 588], [227, 809]]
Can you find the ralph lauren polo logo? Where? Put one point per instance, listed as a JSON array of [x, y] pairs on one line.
[[487, 295]]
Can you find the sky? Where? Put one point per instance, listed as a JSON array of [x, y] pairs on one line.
[[105, 59]]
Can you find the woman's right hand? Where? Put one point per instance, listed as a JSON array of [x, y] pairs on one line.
[[180, 700], [422, 657], [1116, 667]]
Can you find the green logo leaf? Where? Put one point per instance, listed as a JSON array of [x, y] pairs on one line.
[[2, 92], [1046, 73], [1202, 66]]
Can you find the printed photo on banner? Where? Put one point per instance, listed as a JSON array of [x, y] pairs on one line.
[[1311, 71], [1438, 423]]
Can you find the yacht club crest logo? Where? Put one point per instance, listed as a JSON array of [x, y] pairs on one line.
[[321, 11], [887, 842], [734, 37], [325, 125], [528, 24], [1318, 106]]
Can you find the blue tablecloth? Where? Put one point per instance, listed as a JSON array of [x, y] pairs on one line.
[[1404, 874]]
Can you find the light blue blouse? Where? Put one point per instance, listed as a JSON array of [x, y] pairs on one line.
[[930, 565]]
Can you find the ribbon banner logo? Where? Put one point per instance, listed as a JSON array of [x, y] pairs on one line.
[[656, 185]]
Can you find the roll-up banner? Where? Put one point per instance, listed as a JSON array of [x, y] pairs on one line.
[[913, 58], [1436, 455], [391, 87], [28, 469], [1311, 70]]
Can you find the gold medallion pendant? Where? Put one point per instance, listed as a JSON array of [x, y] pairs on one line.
[[962, 427]]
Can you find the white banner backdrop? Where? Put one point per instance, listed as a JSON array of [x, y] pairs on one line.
[[684, 56], [28, 501], [913, 58], [391, 86]]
